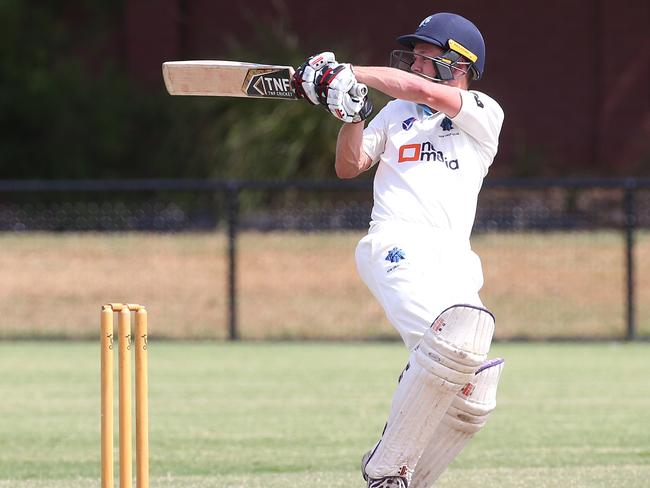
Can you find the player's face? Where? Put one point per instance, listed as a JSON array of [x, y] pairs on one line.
[[421, 64], [424, 66]]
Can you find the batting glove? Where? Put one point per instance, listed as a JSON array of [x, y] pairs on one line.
[[337, 88], [305, 76], [364, 112]]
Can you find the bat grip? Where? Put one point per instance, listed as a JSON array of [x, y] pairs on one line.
[[359, 90]]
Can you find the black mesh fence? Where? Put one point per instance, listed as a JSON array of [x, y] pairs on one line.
[[213, 259], [153, 206]]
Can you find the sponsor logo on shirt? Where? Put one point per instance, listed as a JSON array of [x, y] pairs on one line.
[[408, 123], [425, 151]]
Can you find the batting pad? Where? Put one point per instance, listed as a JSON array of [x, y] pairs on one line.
[[450, 353], [466, 416]]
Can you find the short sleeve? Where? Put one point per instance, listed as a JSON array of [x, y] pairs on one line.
[[374, 136], [481, 117]]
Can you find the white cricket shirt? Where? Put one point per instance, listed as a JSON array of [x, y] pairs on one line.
[[431, 168]]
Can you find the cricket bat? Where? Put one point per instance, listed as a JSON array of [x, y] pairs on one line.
[[234, 79]]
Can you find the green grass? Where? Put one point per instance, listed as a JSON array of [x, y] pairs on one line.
[[301, 414]]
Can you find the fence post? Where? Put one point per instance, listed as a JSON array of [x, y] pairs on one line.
[[232, 197], [630, 227]]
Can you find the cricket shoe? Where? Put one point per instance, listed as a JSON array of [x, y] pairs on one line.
[[387, 482]]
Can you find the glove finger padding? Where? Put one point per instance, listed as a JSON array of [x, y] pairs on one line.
[[305, 84], [334, 77], [321, 60], [305, 76], [349, 109], [343, 106], [365, 111], [333, 89]]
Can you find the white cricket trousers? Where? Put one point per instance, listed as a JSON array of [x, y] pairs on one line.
[[416, 272]]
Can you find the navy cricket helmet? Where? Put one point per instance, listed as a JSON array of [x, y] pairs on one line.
[[454, 34]]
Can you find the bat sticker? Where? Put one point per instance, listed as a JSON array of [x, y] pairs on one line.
[[269, 83]]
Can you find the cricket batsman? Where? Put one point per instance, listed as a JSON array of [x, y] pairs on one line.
[[432, 145]]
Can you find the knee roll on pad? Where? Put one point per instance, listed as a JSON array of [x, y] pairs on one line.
[[457, 343], [465, 417], [470, 408]]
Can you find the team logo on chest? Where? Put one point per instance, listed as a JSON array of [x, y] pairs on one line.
[[423, 152], [448, 128]]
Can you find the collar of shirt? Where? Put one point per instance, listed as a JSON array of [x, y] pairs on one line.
[[427, 111]]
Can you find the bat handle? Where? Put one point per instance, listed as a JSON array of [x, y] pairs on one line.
[[359, 90]]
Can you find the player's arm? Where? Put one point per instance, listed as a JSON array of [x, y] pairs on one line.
[[351, 159], [408, 86]]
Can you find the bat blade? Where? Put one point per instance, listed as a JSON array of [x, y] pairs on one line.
[[228, 79]]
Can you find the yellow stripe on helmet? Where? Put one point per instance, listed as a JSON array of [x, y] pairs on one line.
[[462, 50]]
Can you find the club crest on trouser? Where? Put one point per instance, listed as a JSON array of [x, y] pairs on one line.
[[395, 255], [270, 83]]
